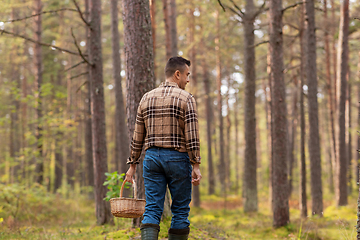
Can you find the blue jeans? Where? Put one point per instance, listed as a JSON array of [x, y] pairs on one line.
[[163, 167]]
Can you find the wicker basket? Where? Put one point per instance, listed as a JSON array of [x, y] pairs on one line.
[[127, 207]]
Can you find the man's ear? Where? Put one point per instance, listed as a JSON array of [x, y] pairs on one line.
[[177, 74]]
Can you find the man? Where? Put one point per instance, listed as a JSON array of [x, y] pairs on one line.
[[167, 126]]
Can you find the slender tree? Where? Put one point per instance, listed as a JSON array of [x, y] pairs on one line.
[[121, 138], [39, 169], [103, 214], [343, 52], [314, 142], [250, 158], [279, 177], [139, 65]]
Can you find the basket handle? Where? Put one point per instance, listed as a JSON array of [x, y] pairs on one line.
[[134, 186]]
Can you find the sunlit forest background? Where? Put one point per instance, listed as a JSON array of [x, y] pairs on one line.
[[277, 90]]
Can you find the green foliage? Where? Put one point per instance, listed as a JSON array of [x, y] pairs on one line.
[[114, 182]]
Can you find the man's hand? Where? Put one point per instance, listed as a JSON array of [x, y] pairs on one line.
[[130, 173], [196, 175]]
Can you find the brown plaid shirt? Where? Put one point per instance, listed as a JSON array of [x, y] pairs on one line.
[[166, 118]]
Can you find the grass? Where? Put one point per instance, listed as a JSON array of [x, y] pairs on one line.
[[59, 218]]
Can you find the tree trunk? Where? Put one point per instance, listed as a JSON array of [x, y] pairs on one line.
[[228, 137], [139, 66], [343, 51], [303, 47], [329, 86], [193, 82], [121, 139], [167, 29], [153, 30], [237, 146], [349, 144], [292, 134], [279, 178], [69, 159], [103, 214], [209, 120], [358, 123], [314, 142], [250, 159], [87, 113], [173, 28], [39, 169], [221, 167], [59, 161]]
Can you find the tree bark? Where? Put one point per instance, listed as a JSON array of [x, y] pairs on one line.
[[39, 168], [358, 123], [209, 120], [250, 159], [87, 113], [343, 51], [173, 28], [103, 214], [303, 46], [59, 160], [219, 106], [139, 66], [329, 86], [314, 142], [153, 30], [167, 29], [279, 177], [121, 138], [349, 143]]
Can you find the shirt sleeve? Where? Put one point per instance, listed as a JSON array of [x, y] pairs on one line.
[[192, 131], [138, 138]]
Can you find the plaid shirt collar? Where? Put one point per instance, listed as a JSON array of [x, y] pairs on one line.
[[169, 84]]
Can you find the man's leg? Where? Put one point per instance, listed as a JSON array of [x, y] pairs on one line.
[[180, 189], [155, 187]]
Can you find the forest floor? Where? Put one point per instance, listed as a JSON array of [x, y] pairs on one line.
[[53, 217]]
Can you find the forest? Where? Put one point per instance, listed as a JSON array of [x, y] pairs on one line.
[[277, 88]]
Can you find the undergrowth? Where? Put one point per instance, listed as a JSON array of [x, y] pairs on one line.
[[33, 213]]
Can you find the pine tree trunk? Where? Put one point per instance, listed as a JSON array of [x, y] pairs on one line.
[[222, 166], [139, 66], [90, 181], [279, 179], [121, 139], [39, 168], [153, 30], [349, 144], [358, 123], [329, 86], [228, 138], [343, 51], [314, 142], [209, 120], [59, 161], [237, 153], [250, 159], [167, 29], [69, 159], [103, 214], [173, 28]]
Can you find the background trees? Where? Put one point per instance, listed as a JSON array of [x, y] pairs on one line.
[[48, 70]]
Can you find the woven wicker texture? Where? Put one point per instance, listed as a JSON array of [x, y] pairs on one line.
[[127, 207]]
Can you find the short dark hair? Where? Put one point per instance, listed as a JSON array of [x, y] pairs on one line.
[[175, 63]]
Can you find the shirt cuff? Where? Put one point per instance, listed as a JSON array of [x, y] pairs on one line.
[[131, 161], [196, 160]]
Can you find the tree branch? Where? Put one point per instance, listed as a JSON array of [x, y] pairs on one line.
[[261, 9], [260, 43], [81, 14], [219, 1], [41, 43], [240, 14], [74, 66], [291, 6], [79, 75], [44, 12], [237, 7], [78, 48], [81, 85]]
